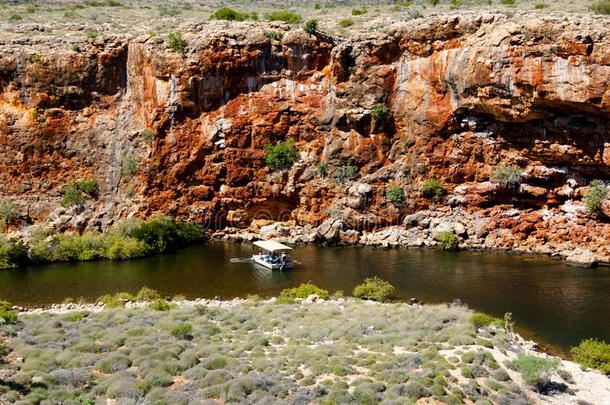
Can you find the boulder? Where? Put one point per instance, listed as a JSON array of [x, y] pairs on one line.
[[274, 231], [330, 230], [580, 257]]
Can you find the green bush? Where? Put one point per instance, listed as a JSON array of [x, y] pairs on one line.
[[120, 247], [601, 7], [507, 176], [71, 196], [359, 11], [161, 305], [433, 188], [480, 320], [304, 290], [380, 112], [228, 14], [447, 240], [284, 15], [395, 195], [281, 155], [8, 213], [169, 11], [273, 35], [87, 186], [596, 195], [15, 17], [13, 253], [508, 2], [310, 26], [147, 294], [535, 370], [183, 331], [346, 172], [176, 42], [375, 289], [346, 22], [322, 169], [540, 6], [163, 233], [7, 312], [116, 300], [593, 353]]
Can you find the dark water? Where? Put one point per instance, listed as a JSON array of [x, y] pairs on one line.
[[556, 304]]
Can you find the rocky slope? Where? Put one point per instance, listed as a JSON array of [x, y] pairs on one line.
[[466, 94]]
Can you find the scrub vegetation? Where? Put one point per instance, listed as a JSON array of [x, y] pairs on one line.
[[252, 351], [131, 239]]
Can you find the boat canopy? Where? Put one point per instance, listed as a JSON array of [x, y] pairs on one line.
[[271, 245]]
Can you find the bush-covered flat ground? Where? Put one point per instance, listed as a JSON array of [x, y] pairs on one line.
[[344, 351]]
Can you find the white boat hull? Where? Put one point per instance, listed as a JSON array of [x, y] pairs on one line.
[[260, 259]]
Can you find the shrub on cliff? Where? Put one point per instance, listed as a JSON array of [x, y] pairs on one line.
[[281, 155], [71, 196], [375, 289], [8, 213], [447, 240], [596, 195], [129, 166], [87, 186], [228, 14], [346, 172], [380, 112], [593, 353], [176, 42], [305, 290], [601, 7], [346, 22], [284, 15], [395, 195], [359, 11], [310, 26], [508, 177], [433, 188]]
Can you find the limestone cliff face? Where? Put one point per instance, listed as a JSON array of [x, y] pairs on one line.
[[465, 94]]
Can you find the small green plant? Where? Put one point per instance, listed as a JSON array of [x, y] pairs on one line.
[[601, 7], [275, 35], [434, 3], [8, 213], [71, 196], [147, 294], [395, 195], [433, 188], [380, 112], [35, 58], [281, 155], [310, 26], [129, 167], [322, 169], [535, 370], [304, 290], [15, 17], [183, 331], [540, 6], [447, 240], [508, 2], [7, 312], [75, 48], [169, 10], [116, 300], [228, 14], [508, 177], [375, 289], [91, 34], [285, 16], [346, 172], [161, 305], [148, 135], [345, 22], [359, 11], [176, 42], [30, 8], [596, 195], [87, 186], [593, 353], [480, 320]]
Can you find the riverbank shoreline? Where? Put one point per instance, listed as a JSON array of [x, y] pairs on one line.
[[589, 386]]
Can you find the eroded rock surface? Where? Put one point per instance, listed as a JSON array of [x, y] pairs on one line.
[[466, 94]]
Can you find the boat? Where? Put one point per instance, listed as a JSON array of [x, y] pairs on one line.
[[273, 255]]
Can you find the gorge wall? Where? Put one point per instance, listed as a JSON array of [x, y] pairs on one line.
[[466, 94]]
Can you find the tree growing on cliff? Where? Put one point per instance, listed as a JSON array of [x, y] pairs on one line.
[[310, 26], [380, 112], [507, 177], [176, 41], [71, 196], [281, 155], [433, 188], [8, 213], [595, 197]]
